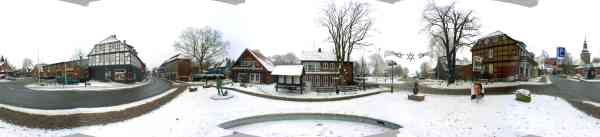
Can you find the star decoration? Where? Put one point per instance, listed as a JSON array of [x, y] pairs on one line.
[[411, 56]]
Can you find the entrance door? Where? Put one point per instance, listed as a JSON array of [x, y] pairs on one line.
[[108, 75], [243, 77]]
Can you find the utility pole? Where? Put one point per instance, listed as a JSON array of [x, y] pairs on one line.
[[38, 65]]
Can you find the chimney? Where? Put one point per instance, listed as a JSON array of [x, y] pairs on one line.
[[125, 41], [319, 50]]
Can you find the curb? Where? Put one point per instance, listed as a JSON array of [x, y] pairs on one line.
[[84, 119]]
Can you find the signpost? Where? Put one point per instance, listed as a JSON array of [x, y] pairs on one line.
[[560, 54]]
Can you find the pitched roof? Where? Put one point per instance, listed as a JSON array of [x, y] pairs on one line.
[[317, 56], [109, 39], [262, 59], [287, 70], [177, 56]]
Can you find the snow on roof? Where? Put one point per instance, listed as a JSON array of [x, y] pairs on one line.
[[317, 56], [496, 33], [178, 56], [266, 62], [288, 70], [111, 38]]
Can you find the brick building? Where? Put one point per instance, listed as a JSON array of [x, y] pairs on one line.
[[76, 69], [177, 68]]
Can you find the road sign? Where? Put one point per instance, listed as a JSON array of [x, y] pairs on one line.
[[560, 52]]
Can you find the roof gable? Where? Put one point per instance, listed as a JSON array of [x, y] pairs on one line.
[[260, 58]]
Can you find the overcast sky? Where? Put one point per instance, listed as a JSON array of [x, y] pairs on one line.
[[56, 29]]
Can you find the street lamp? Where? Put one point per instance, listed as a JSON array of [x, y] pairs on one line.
[[392, 63]]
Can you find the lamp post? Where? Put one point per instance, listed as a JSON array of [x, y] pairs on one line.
[[392, 63]]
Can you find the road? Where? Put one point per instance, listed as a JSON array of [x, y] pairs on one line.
[[16, 94], [570, 90]]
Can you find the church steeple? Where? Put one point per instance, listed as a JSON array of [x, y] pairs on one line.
[[585, 53], [585, 43]]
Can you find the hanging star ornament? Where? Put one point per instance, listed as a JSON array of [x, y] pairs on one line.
[[411, 56]]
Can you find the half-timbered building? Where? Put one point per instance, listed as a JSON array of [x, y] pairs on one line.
[[497, 56], [115, 60]]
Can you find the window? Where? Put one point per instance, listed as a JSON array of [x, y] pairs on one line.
[[127, 58], [281, 79], [296, 80], [113, 58]]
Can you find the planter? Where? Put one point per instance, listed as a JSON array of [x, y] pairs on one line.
[[523, 95], [416, 97]]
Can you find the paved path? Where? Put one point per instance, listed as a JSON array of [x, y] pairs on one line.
[[16, 94]]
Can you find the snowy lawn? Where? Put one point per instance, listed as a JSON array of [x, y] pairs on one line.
[[194, 114], [95, 86]]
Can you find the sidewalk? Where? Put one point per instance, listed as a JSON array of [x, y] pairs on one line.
[[95, 86]]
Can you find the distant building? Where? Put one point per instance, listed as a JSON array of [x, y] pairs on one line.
[[115, 60], [76, 69], [177, 68], [252, 67], [4, 66], [502, 58], [320, 69], [463, 70]]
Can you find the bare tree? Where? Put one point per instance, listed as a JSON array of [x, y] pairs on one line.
[[206, 46], [78, 54], [425, 68], [377, 63], [596, 60], [286, 59], [450, 28], [347, 25], [27, 65]]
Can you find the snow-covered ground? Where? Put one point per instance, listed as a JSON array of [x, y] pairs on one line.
[[269, 89], [86, 110], [440, 84], [95, 86], [194, 114], [5, 81], [591, 80]]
